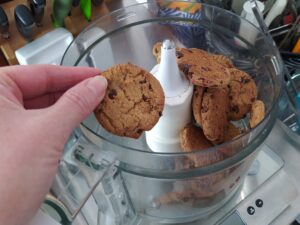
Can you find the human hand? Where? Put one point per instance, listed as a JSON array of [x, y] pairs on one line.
[[38, 113]]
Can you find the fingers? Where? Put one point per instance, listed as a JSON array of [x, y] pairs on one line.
[[36, 80], [43, 101], [78, 102]]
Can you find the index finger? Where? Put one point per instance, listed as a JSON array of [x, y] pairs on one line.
[[36, 80]]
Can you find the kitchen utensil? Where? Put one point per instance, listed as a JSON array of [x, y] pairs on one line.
[[275, 11], [86, 8], [298, 108], [37, 8], [25, 22], [291, 113], [60, 10], [279, 33], [286, 41], [248, 14], [296, 48], [292, 86], [4, 24], [130, 183], [287, 16]]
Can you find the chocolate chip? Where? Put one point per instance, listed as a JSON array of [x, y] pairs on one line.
[[112, 94], [204, 109], [150, 87], [143, 81], [235, 108], [245, 80], [139, 131], [144, 97], [179, 54], [252, 99], [230, 97], [185, 69], [205, 68], [160, 113]]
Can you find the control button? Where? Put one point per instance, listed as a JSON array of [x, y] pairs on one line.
[[259, 203], [250, 210]]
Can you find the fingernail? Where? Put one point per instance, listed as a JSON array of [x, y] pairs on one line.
[[97, 85]]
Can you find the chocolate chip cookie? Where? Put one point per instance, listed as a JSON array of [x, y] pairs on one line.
[[223, 60], [193, 139], [257, 113], [232, 132], [190, 56], [232, 148], [197, 103], [156, 51], [242, 93], [202, 68], [133, 102], [214, 110], [208, 74]]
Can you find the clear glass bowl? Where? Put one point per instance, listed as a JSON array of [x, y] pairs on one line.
[[162, 187]]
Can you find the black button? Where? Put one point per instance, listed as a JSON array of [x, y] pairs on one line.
[[250, 210], [259, 203]]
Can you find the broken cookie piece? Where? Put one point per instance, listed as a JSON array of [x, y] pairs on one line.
[[257, 113]]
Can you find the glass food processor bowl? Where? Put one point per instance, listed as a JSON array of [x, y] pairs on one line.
[[161, 187]]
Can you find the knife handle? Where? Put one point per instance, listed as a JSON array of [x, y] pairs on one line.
[[25, 22]]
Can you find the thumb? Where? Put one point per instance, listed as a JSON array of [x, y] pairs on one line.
[[78, 102]]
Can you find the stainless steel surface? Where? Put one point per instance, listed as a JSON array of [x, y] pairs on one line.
[[264, 206], [289, 150]]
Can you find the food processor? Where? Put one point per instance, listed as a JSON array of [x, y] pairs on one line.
[[107, 179]]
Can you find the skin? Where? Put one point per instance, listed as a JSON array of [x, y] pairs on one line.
[[39, 108]]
